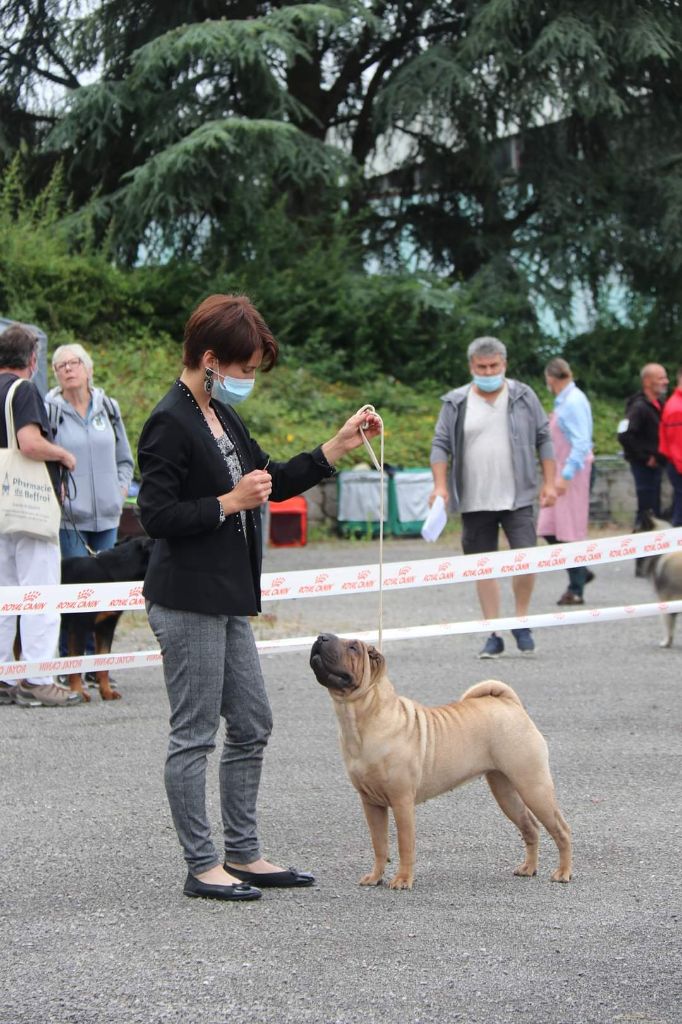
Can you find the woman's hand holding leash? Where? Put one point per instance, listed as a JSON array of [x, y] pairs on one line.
[[350, 434]]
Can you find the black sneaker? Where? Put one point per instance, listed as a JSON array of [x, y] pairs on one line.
[[91, 680], [524, 640], [493, 647]]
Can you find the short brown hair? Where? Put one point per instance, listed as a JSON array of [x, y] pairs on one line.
[[17, 345], [230, 326], [558, 368]]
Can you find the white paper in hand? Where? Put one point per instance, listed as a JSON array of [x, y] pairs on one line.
[[435, 521]]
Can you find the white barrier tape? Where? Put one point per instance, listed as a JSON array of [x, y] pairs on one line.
[[639, 611], [360, 579], [88, 663], [143, 659]]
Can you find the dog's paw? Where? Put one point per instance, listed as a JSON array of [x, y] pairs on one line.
[[560, 876], [666, 643], [371, 879], [110, 695], [525, 870], [401, 882]]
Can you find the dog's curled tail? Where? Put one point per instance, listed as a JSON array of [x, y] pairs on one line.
[[492, 688]]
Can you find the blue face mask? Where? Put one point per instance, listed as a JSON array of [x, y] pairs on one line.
[[488, 383], [232, 389]]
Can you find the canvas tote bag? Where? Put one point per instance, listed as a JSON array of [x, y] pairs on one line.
[[28, 503]]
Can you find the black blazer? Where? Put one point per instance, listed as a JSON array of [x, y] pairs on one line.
[[197, 564]]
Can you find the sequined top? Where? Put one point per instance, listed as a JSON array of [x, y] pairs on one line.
[[234, 467]]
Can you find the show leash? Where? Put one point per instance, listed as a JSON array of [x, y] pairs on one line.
[[378, 464], [69, 492]]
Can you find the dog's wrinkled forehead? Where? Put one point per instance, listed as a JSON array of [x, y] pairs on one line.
[[366, 655]]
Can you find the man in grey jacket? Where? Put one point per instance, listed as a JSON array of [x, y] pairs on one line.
[[488, 439]]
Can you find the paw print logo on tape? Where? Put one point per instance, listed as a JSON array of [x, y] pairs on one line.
[[278, 581], [404, 570], [364, 574], [31, 595], [321, 577], [444, 566], [483, 561], [84, 594], [520, 556]]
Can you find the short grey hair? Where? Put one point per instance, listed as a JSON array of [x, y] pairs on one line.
[[486, 347], [77, 349]]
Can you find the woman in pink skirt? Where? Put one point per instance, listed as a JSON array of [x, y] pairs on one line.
[[571, 428]]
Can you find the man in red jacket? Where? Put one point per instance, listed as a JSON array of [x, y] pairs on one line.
[[670, 445]]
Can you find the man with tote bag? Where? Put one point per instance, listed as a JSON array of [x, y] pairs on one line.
[[29, 516]]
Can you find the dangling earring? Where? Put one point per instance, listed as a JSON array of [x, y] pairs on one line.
[[208, 379]]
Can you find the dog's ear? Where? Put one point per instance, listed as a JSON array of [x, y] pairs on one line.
[[376, 658]]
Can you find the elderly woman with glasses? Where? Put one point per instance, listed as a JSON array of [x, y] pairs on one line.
[[88, 423]]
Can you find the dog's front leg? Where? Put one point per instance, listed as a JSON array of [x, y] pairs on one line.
[[76, 684], [403, 813], [377, 819], [105, 625], [75, 644]]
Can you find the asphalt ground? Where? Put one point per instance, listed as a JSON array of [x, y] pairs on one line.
[[95, 928]]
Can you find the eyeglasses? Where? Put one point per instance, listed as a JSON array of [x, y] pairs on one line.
[[70, 364]]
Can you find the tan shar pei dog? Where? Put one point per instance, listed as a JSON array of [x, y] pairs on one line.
[[399, 753]]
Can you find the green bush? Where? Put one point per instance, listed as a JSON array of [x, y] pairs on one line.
[[348, 337]]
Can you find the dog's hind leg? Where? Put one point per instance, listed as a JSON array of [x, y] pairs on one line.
[[513, 806], [377, 819], [668, 629], [540, 799]]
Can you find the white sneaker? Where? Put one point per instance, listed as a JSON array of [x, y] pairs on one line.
[[49, 695]]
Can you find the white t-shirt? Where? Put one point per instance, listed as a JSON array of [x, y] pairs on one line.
[[488, 474]]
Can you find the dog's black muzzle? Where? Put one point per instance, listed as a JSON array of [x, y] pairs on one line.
[[326, 662]]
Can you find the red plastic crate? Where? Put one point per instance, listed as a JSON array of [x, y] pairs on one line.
[[289, 523]]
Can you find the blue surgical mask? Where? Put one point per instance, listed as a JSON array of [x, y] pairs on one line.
[[488, 383], [232, 390]]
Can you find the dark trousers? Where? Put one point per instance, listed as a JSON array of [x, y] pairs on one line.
[[577, 576], [676, 481], [648, 487]]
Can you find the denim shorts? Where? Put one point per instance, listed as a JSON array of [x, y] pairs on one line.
[[480, 530]]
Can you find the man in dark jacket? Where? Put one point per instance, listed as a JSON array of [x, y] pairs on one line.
[[638, 434]]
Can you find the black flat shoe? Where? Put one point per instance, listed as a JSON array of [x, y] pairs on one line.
[[273, 879], [193, 887]]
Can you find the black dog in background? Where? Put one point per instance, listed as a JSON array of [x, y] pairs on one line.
[[127, 561]]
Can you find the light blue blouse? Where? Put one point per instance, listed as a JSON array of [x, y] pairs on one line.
[[574, 417]]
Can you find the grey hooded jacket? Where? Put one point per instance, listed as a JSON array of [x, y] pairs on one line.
[[104, 461], [528, 432]]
